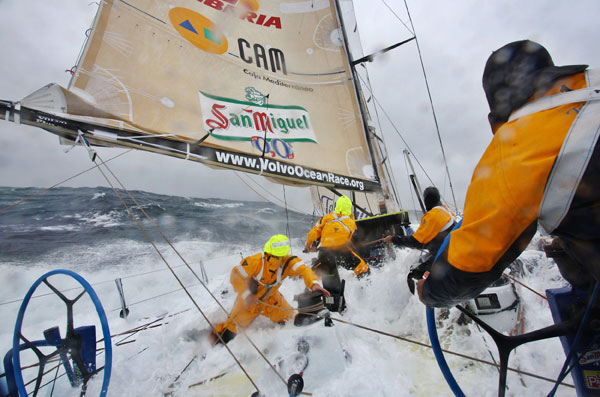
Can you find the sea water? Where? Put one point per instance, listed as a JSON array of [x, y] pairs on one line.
[[88, 231]]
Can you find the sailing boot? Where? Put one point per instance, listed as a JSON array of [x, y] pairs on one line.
[[226, 336]]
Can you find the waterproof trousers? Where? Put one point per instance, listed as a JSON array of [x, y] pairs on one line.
[[242, 315]]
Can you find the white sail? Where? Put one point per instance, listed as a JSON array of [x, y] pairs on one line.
[[231, 83]]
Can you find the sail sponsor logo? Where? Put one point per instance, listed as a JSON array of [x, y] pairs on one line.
[[50, 120], [278, 82], [276, 147], [281, 169], [592, 379], [590, 357], [198, 30], [231, 119], [245, 10], [328, 205], [264, 58]]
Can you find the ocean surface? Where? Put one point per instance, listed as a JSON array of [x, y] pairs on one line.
[[95, 218], [159, 348]]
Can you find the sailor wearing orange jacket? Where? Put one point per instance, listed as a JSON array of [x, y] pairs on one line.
[[257, 280], [333, 235], [435, 225], [542, 165]]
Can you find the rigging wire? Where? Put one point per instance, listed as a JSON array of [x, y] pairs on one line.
[[266, 191], [111, 281], [323, 209], [171, 269], [387, 162], [401, 137], [43, 191], [201, 282], [369, 203], [183, 287], [432, 107], [287, 218], [397, 17], [405, 339], [425, 345], [189, 268]]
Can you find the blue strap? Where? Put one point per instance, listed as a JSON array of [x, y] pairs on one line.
[[433, 335]]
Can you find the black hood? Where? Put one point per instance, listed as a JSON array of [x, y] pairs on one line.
[[431, 197], [515, 72]]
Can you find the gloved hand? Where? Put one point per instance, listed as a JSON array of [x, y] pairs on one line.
[[317, 287], [420, 286], [361, 269], [413, 276], [251, 300]]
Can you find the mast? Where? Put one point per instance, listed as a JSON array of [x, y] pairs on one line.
[[376, 159], [382, 202], [415, 182]]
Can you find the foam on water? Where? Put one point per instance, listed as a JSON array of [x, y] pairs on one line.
[[347, 360]]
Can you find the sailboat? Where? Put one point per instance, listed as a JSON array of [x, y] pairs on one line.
[[233, 84]]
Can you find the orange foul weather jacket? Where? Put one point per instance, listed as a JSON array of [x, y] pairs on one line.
[[434, 226], [541, 165], [334, 230], [262, 275], [335, 233]]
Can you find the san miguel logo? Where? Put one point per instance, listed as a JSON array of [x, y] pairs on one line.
[[231, 119]]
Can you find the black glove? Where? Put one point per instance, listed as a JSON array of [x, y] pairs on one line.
[[412, 277], [253, 286]]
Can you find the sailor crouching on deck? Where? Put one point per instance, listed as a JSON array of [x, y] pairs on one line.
[[333, 235], [541, 166], [257, 280], [435, 225]]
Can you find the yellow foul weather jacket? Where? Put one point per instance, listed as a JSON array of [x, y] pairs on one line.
[[334, 230], [512, 188], [267, 272], [262, 275], [435, 221]]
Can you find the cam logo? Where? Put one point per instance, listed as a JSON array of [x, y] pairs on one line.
[[198, 30]]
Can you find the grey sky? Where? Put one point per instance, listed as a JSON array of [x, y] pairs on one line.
[[41, 39]]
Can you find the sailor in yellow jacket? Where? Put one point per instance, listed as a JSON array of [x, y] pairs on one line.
[[435, 225], [541, 166], [256, 280], [333, 237]]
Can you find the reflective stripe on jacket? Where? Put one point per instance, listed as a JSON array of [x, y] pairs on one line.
[[503, 200], [267, 272], [334, 230]]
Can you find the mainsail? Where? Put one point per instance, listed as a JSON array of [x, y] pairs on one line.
[[237, 84]]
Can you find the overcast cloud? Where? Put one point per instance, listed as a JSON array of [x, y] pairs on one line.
[[41, 39]]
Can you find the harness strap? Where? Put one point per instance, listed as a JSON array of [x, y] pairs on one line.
[[339, 220], [280, 271], [571, 162], [450, 222], [564, 98]]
